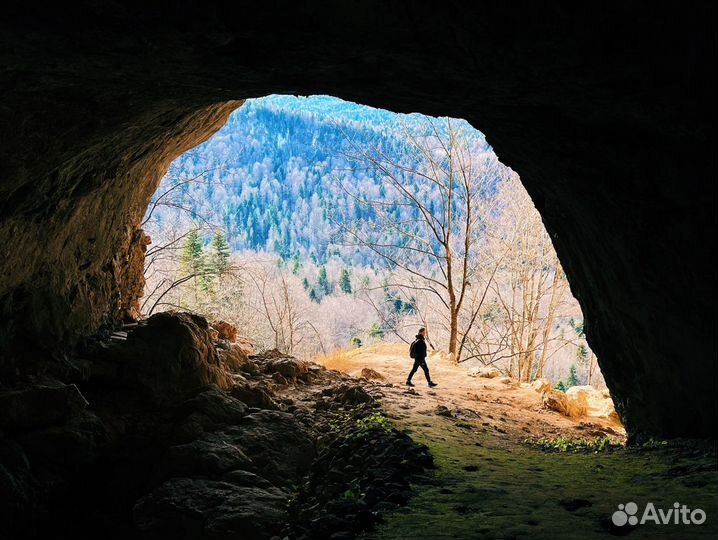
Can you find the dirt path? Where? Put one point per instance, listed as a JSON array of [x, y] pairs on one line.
[[489, 484], [510, 411]]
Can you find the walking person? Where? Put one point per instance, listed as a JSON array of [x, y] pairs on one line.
[[417, 351]]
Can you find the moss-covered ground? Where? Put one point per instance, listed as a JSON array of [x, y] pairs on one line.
[[488, 486], [489, 483]]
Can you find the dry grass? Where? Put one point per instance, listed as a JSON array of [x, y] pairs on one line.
[[352, 360], [339, 359]]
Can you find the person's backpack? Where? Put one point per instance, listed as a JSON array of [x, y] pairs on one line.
[[412, 354]]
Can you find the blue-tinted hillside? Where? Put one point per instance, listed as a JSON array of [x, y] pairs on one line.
[[279, 172]]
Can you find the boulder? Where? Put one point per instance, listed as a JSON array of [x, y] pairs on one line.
[[211, 456], [218, 406], [487, 372], [279, 379], [38, 406], [270, 354], [254, 396], [555, 400], [578, 396], [207, 410], [225, 330], [288, 367], [246, 345], [598, 402], [572, 406], [251, 368], [169, 355], [281, 449], [371, 374], [246, 479], [234, 357], [198, 509], [352, 394], [541, 385]]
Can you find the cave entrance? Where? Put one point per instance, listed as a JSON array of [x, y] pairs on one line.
[[324, 229]]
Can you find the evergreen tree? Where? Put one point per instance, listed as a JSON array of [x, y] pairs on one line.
[[207, 276], [345, 283], [220, 252], [192, 260], [313, 295], [296, 265], [581, 353], [572, 379], [560, 386], [376, 331], [324, 281], [305, 284], [192, 256]]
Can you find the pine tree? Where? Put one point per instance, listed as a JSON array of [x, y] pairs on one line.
[[219, 254], [192, 260], [296, 265], [313, 296], [305, 284], [572, 379], [207, 276], [581, 353], [323, 280], [192, 254], [345, 283]]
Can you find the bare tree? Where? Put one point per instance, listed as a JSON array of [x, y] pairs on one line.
[[429, 225], [165, 277], [278, 304], [530, 288]]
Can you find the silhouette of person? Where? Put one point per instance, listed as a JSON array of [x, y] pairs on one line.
[[418, 353]]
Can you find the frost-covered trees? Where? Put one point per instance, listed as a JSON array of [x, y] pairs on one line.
[[428, 227], [312, 222]]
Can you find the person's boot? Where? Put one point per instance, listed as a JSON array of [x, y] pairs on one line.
[[409, 383], [432, 384]]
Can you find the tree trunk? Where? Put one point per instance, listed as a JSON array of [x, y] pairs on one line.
[[550, 316], [454, 336]]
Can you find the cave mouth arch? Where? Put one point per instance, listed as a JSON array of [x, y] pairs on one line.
[[110, 107], [263, 188]]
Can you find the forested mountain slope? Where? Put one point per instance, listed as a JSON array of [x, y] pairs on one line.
[[276, 175]]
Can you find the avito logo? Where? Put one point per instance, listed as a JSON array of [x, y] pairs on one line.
[[679, 514]]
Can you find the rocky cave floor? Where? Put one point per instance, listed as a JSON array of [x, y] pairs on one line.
[[172, 430]]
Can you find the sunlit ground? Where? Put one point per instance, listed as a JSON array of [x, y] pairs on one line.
[[518, 405], [490, 484]]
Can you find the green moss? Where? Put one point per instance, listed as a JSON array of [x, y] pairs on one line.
[[375, 420], [573, 444], [490, 488]]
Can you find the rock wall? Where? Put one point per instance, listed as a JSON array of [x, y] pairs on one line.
[[74, 256], [607, 112]]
